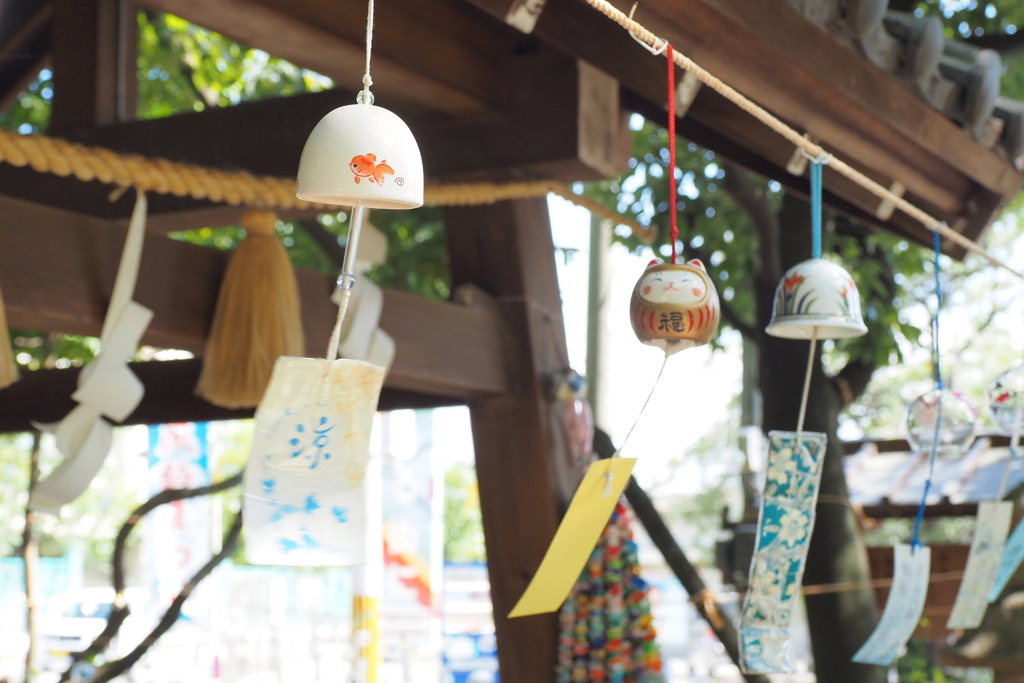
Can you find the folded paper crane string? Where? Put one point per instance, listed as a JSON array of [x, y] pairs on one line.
[[106, 387]]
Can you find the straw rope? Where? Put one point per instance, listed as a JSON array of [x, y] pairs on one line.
[[237, 188], [811, 149]]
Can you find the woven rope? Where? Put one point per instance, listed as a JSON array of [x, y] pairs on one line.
[[237, 188], [811, 149]]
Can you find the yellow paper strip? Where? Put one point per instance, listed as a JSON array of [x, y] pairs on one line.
[[575, 539]]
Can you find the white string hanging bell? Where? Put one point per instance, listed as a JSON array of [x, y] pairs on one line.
[[361, 154]]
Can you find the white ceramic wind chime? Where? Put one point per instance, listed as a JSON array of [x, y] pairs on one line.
[[816, 299], [304, 499]]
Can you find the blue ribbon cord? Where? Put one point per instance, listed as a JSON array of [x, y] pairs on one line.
[[914, 542], [815, 209]]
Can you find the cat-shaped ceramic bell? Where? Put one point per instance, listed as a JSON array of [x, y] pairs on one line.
[[674, 306]]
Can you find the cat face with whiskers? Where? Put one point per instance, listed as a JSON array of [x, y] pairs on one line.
[[685, 287], [674, 306]]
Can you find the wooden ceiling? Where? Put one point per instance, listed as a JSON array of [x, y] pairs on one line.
[[464, 79], [486, 101]]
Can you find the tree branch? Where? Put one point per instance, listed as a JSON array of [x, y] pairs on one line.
[[729, 314], [753, 200], [853, 379], [112, 670], [121, 610], [1004, 43]]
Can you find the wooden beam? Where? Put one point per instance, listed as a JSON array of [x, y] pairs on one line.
[[714, 123], [444, 349], [585, 136], [44, 396], [436, 54], [24, 49], [580, 139], [523, 465], [93, 63], [794, 68]]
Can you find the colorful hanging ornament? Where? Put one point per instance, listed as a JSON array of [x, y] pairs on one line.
[[816, 299], [304, 499], [258, 318], [1004, 398], [783, 538], [674, 305], [607, 631], [912, 561]]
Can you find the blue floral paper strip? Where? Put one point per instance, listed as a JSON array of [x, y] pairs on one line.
[[1012, 556], [982, 564], [902, 609], [783, 536]]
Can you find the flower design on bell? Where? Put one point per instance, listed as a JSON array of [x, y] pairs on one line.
[[1004, 398], [816, 295]]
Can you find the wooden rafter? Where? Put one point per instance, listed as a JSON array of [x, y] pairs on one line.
[[444, 349], [24, 52], [434, 54], [797, 70]]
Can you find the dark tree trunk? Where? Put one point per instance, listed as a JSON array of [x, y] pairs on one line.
[[839, 622]]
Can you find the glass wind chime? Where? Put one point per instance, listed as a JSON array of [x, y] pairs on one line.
[[303, 486], [816, 299], [1006, 397], [940, 422]]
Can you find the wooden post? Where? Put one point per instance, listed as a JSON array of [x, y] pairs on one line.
[[94, 55], [522, 461]]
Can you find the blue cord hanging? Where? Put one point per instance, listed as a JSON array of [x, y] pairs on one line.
[[815, 209], [914, 542]]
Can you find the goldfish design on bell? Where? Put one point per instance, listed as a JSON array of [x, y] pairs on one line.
[[674, 306], [366, 166]]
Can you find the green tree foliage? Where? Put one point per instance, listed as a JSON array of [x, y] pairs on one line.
[[183, 67], [463, 528]]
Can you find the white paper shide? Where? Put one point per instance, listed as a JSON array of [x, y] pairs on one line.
[[304, 500]]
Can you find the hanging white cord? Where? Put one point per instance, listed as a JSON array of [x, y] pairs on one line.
[[367, 81], [807, 388], [615, 457], [347, 279]]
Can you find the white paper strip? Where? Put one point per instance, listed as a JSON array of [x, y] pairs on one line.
[[982, 564], [105, 387], [1011, 558], [304, 499], [903, 608]]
